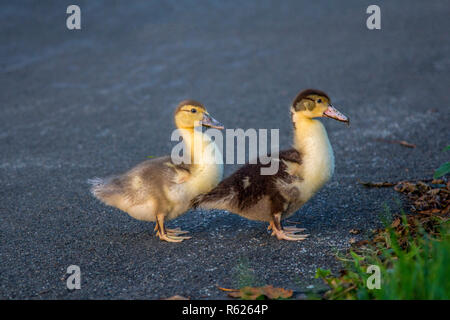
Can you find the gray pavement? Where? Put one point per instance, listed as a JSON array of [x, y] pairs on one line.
[[79, 104]]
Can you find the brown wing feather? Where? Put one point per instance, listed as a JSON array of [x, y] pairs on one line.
[[245, 187]]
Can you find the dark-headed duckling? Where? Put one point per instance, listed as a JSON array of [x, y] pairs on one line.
[[302, 171], [160, 190]]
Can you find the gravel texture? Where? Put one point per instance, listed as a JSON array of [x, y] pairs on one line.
[[79, 104]]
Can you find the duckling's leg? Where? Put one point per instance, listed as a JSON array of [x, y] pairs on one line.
[[290, 229], [163, 233], [176, 231], [288, 234]]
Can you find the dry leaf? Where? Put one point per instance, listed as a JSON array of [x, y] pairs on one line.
[[427, 198], [176, 297], [396, 223], [277, 293], [355, 231], [253, 293], [361, 243], [430, 207], [377, 184]]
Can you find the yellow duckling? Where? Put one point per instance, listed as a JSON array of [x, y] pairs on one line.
[[160, 190], [303, 170]]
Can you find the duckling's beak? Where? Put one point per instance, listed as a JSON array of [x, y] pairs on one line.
[[333, 113], [209, 121]]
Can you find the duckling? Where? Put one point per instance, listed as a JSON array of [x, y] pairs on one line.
[[303, 170], [160, 189]]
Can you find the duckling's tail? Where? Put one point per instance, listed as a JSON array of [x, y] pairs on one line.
[[195, 203], [103, 190], [214, 199]]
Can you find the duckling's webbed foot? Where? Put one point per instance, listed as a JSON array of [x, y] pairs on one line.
[[176, 231], [288, 233], [292, 229], [170, 235]]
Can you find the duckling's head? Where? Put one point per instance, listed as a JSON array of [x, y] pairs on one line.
[[190, 114], [312, 103]]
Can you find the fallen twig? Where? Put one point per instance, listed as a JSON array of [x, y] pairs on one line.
[[377, 184], [228, 290], [400, 142]]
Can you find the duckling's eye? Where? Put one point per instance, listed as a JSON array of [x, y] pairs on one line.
[[319, 100], [193, 110]]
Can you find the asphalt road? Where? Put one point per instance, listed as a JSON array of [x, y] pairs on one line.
[[79, 104]]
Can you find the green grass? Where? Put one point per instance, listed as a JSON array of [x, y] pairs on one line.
[[419, 271], [444, 168]]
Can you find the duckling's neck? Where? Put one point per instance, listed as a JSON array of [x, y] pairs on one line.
[[311, 140], [202, 150], [206, 160]]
